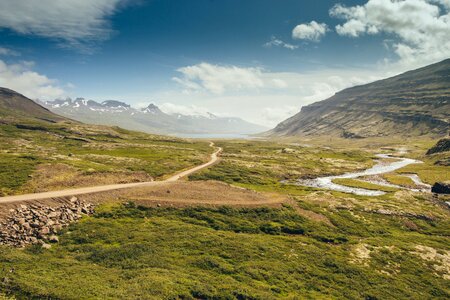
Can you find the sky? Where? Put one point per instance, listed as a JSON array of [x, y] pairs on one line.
[[256, 59]]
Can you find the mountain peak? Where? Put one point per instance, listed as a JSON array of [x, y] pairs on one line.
[[152, 108], [115, 104]]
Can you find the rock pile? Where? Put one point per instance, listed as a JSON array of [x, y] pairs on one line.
[[38, 224]]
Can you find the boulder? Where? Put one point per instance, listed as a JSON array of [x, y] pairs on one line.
[[441, 187]]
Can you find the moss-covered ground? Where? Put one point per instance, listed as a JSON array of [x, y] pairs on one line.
[[395, 246], [88, 152], [199, 253]]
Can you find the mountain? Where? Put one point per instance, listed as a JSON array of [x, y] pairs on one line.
[[15, 106], [149, 119], [414, 103]]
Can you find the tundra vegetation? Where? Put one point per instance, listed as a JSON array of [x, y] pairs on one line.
[[320, 244], [40, 156]]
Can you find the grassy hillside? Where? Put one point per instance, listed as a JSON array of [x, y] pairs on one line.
[[416, 103], [318, 244], [15, 106], [197, 253], [41, 151], [44, 156]]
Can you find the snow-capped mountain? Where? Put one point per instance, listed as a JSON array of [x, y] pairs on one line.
[[149, 119]]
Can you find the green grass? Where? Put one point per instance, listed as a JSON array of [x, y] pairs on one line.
[[89, 149], [363, 185], [134, 252], [130, 252], [15, 171], [428, 173], [233, 173], [267, 163], [399, 180]]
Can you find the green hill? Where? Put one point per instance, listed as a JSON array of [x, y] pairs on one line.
[[15, 106], [415, 103]]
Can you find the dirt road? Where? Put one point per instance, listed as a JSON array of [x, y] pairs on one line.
[[103, 188]]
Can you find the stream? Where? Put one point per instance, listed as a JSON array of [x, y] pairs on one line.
[[381, 167]]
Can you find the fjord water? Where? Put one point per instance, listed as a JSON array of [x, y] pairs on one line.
[[381, 167]]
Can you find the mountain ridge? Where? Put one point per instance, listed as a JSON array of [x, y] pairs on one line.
[[14, 105], [413, 103], [150, 119]]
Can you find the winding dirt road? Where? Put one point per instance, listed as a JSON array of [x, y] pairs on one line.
[[103, 188]]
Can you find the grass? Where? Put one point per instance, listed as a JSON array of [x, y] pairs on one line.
[[135, 252], [127, 251], [260, 164], [15, 171], [89, 150], [428, 173], [399, 180], [363, 185]]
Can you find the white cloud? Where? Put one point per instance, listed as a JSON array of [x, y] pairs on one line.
[[279, 83], [21, 78], [75, 23], [187, 110], [311, 31], [274, 42], [445, 3], [421, 27], [8, 52], [217, 79], [277, 96], [273, 115]]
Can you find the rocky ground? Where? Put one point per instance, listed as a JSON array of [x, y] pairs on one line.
[[39, 224]]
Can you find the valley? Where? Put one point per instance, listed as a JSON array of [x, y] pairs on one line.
[[251, 235], [93, 211], [225, 150]]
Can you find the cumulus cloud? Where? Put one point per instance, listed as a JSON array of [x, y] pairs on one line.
[[421, 28], [311, 31], [75, 23], [217, 79], [21, 78], [274, 42], [281, 95]]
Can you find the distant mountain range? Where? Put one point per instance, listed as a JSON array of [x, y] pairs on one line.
[[150, 119], [415, 103]]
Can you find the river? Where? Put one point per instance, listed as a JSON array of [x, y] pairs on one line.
[[381, 167]]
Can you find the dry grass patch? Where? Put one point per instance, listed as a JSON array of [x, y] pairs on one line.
[[209, 193], [439, 258], [53, 177]]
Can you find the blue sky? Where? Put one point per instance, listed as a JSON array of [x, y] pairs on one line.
[[257, 59]]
